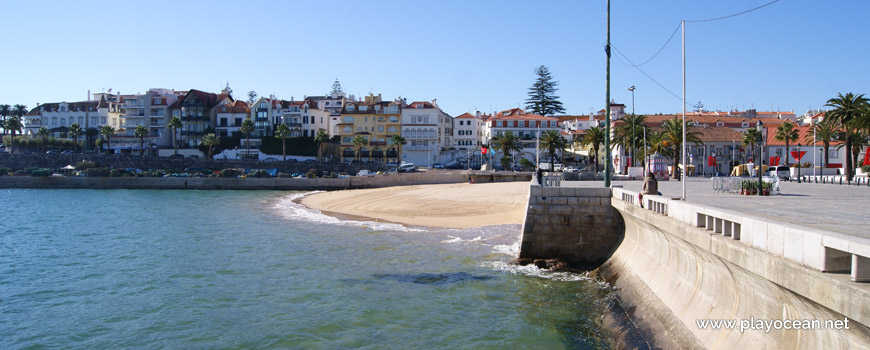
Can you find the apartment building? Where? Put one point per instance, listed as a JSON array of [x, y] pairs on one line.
[[428, 131], [376, 121]]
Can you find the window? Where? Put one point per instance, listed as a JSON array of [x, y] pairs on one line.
[[62, 121], [347, 119], [93, 120], [363, 108], [391, 129], [54, 121], [347, 129], [394, 119], [237, 122], [262, 104], [305, 119], [380, 128], [349, 107]]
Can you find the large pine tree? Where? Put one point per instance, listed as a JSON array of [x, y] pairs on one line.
[[542, 99]]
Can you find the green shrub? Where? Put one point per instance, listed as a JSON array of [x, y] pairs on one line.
[[866, 169], [333, 175], [311, 174], [40, 173], [506, 162], [5, 171], [98, 172], [259, 174], [230, 173], [85, 165], [527, 165]]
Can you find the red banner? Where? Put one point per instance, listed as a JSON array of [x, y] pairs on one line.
[[711, 161], [797, 155], [773, 161], [483, 150], [867, 156]]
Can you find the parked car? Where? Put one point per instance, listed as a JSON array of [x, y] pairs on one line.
[[437, 166], [571, 169], [66, 152], [407, 167], [392, 171], [782, 171], [52, 151], [363, 172]]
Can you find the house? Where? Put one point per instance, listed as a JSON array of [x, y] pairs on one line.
[[230, 117], [376, 121], [196, 109], [428, 131], [525, 126]]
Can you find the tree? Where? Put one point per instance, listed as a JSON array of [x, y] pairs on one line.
[[786, 132], [507, 143], [336, 88], [825, 132], [542, 99], [281, 132], [247, 128], [75, 130], [43, 132], [252, 96], [594, 137], [551, 140], [141, 132], [108, 131], [657, 144], [857, 139], [13, 124], [19, 111], [359, 142], [228, 89], [91, 134], [5, 112], [398, 141], [750, 138], [673, 133], [629, 132], [320, 138], [211, 140], [847, 109], [174, 124]]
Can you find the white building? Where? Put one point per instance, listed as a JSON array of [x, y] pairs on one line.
[[149, 110], [428, 131], [524, 126], [57, 117], [230, 117], [467, 132]]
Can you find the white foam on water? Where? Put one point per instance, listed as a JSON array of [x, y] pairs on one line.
[[534, 271], [295, 211], [454, 239], [507, 249]]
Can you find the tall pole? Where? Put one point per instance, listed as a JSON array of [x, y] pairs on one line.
[[814, 151], [633, 140], [609, 164], [685, 166]]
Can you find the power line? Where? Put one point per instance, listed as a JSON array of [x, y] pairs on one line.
[[662, 48], [734, 15], [644, 73]]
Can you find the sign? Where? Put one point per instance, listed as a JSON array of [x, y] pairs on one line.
[[711, 161], [797, 155]]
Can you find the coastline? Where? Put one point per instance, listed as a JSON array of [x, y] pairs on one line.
[[455, 206]]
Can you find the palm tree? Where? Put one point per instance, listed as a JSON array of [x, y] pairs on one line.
[[281, 132], [507, 143], [658, 144], [629, 132], [19, 111], [43, 131], [5, 112], [857, 139], [247, 128], [594, 136], [90, 134], [847, 109], [320, 138], [824, 132], [750, 138], [786, 132], [13, 124], [141, 132], [174, 124], [359, 141], [552, 140], [673, 134], [108, 131], [211, 140], [75, 130], [398, 141]]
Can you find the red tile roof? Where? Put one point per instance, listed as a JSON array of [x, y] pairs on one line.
[[466, 116]]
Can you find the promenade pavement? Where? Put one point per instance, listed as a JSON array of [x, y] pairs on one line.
[[838, 208]]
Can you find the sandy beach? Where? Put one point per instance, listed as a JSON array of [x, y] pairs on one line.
[[449, 205]]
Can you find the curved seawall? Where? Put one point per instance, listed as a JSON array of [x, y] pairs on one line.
[[670, 284]]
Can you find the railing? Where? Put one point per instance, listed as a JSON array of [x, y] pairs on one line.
[[551, 180]]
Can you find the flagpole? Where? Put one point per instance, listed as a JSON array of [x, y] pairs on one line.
[[685, 166]]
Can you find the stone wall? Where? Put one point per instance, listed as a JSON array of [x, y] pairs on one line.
[[303, 184], [575, 225]]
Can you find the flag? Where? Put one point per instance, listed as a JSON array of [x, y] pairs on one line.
[[483, 150]]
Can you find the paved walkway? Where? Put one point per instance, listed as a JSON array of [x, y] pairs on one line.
[[838, 208]]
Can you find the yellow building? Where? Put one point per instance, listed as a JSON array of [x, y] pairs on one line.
[[376, 121]]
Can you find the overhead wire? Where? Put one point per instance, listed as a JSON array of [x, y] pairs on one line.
[[732, 15]]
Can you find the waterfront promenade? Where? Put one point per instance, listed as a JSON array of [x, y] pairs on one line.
[[837, 208]]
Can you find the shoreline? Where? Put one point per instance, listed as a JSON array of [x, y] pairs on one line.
[[452, 206]]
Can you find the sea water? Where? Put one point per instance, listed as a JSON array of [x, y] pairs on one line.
[[109, 269]]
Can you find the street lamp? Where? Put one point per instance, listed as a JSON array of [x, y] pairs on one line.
[[799, 162], [631, 152], [760, 127]]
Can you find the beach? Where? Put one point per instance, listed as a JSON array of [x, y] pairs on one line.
[[448, 205]]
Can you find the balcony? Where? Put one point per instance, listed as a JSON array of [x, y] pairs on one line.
[[195, 118], [192, 133], [294, 125]]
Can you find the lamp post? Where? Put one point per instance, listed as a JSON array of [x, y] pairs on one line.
[[799, 162], [631, 152], [760, 127]]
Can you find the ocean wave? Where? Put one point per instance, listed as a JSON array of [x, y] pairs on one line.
[[454, 239], [289, 209]]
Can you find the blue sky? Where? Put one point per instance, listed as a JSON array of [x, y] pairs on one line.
[[470, 55]]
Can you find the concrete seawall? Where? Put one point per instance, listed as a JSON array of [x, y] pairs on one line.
[[677, 263], [201, 183]]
